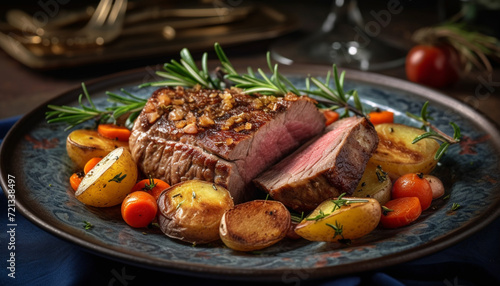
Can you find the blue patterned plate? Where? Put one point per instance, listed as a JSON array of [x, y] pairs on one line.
[[34, 152]]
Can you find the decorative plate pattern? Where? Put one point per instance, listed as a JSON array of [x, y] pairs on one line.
[[34, 152]]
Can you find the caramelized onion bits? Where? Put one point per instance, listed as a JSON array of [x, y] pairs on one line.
[[194, 110]]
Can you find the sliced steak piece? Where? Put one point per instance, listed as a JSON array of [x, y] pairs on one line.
[[323, 168], [184, 134]]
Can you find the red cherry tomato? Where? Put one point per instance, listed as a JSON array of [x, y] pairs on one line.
[[435, 66]]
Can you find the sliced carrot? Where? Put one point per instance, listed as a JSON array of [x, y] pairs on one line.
[[112, 131], [75, 180], [413, 185], [401, 212], [91, 164], [378, 117], [139, 209], [153, 186], [331, 116]]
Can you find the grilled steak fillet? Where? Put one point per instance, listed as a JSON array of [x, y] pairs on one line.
[[323, 168], [225, 137]]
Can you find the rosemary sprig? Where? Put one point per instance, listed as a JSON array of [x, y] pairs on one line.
[[73, 116], [338, 228], [296, 217], [434, 133], [338, 97], [340, 202], [339, 231], [276, 84], [186, 73]]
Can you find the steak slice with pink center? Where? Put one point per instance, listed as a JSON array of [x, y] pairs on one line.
[[226, 137], [324, 168]]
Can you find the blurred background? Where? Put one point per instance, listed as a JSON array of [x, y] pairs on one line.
[[49, 46]]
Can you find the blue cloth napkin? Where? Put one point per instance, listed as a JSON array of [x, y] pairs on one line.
[[39, 258]]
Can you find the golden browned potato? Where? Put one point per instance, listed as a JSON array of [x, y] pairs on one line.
[[375, 184], [110, 181], [254, 225], [396, 153], [330, 223], [192, 210], [83, 145]]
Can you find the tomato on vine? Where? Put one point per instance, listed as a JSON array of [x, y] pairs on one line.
[[446, 52]]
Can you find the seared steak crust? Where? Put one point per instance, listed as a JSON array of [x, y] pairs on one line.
[[225, 137], [323, 168]]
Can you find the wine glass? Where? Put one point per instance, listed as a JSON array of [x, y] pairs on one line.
[[343, 39]]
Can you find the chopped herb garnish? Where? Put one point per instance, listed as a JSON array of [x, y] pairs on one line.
[[338, 229], [118, 178], [340, 202], [433, 132], [296, 218], [319, 216], [87, 225], [73, 116], [446, 197], [381, 174], [386, 210], [214, 187], [455, 207], [150, 184], [194, 195], [179, 205]]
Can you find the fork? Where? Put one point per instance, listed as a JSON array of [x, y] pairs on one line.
[[104, 26]]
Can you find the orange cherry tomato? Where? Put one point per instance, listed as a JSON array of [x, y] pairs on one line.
[[330, 116], [153, 186], [413, 185]]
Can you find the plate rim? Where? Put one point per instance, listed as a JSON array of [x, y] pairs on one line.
[[203, 270]]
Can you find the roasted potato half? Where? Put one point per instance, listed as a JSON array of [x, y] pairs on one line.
[[375, 184], [83, 145], [110, 181], [396, 153], [351, 221], [254, 225], [191, 211]]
